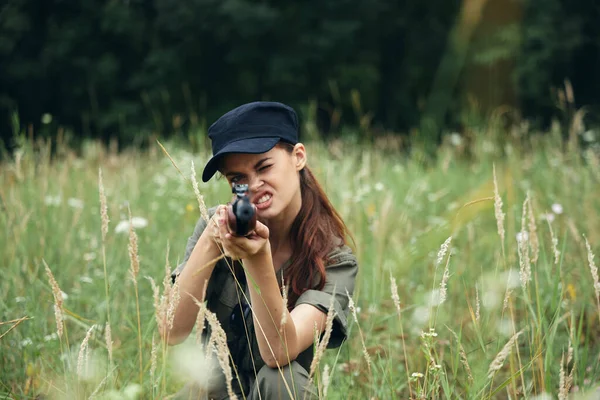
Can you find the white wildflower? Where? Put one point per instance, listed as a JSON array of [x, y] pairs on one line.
[[137, 222], [557, 208], [52, 200], [455, 139], [89, 256], [75, 203], [522, 236], [548, 217]]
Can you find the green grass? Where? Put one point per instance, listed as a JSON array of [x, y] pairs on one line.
[[400, 210]]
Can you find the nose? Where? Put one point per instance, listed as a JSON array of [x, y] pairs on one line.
[[255, 183]]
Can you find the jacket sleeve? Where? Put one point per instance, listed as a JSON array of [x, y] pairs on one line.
[[340, 272]]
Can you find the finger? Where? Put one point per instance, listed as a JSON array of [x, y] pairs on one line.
[[222, 220]]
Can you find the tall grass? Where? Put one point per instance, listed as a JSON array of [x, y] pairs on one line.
[[507, 309]]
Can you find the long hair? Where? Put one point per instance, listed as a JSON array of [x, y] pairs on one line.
[[316, 230]]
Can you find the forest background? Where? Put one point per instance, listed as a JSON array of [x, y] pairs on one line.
[[133, 69]]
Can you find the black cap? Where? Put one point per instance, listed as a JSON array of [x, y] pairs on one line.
[[250, 128]]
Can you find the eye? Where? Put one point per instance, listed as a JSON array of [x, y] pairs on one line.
[[236, 179], [264, 168]]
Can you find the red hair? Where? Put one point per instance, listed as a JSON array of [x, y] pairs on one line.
[[316, 231]]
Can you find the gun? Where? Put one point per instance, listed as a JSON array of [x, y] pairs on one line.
[[241, 217]]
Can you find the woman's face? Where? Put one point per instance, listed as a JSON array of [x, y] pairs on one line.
[[272, 178]]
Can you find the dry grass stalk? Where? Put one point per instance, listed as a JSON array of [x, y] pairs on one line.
[[109, 342], [395, 296], [396, 300], [325, 340], [442, 252], [103, 206], [362, 339], [156, 298], [477, 304], [173, 302], [555, 250], [170, 158], [134, 272], [167, 277], [219, 339], [82, 359], [498, 208], [566, 381], [569, 381], [100, 385], [58, 300], [523, 249], [506, 299], [162, 304], [574, 231], [499, 360], [201, 204], [14, 322], [443, 284], [134, 261], [463, 356], [200, 318], [533, 237], [284, 311], [153, 359], [593, 269]]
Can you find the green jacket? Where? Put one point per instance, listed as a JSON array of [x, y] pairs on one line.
[[223, 296]]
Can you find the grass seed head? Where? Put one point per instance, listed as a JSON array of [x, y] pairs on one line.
[[533, 237], [58, 300], [442, 252], [109, 342], [593, 268], [284, 310], [82, 359], [173, 303], [326, 379], [134, 260], [325, 340], [219, 338], [103, 206], [153, 359], [443, 284], [523, 249], [463, 357], [501, 357], [498, 208], [201, 204], [395, 296], [555, 250], [477, 304]]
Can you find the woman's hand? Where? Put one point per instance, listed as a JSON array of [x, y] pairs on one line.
[[211, 232], [241, 247]]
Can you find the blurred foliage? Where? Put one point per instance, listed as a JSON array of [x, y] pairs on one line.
[[133, 68]]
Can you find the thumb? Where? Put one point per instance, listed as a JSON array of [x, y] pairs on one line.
[[261, 230]]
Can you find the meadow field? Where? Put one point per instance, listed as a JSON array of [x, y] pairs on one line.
[[478, 268]]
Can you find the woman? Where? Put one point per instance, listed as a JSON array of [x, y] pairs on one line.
[[299, 241]]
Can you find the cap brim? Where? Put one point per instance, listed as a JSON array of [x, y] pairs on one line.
[[249, 146]]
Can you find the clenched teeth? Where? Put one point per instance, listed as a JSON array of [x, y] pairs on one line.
[[264, 198]]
